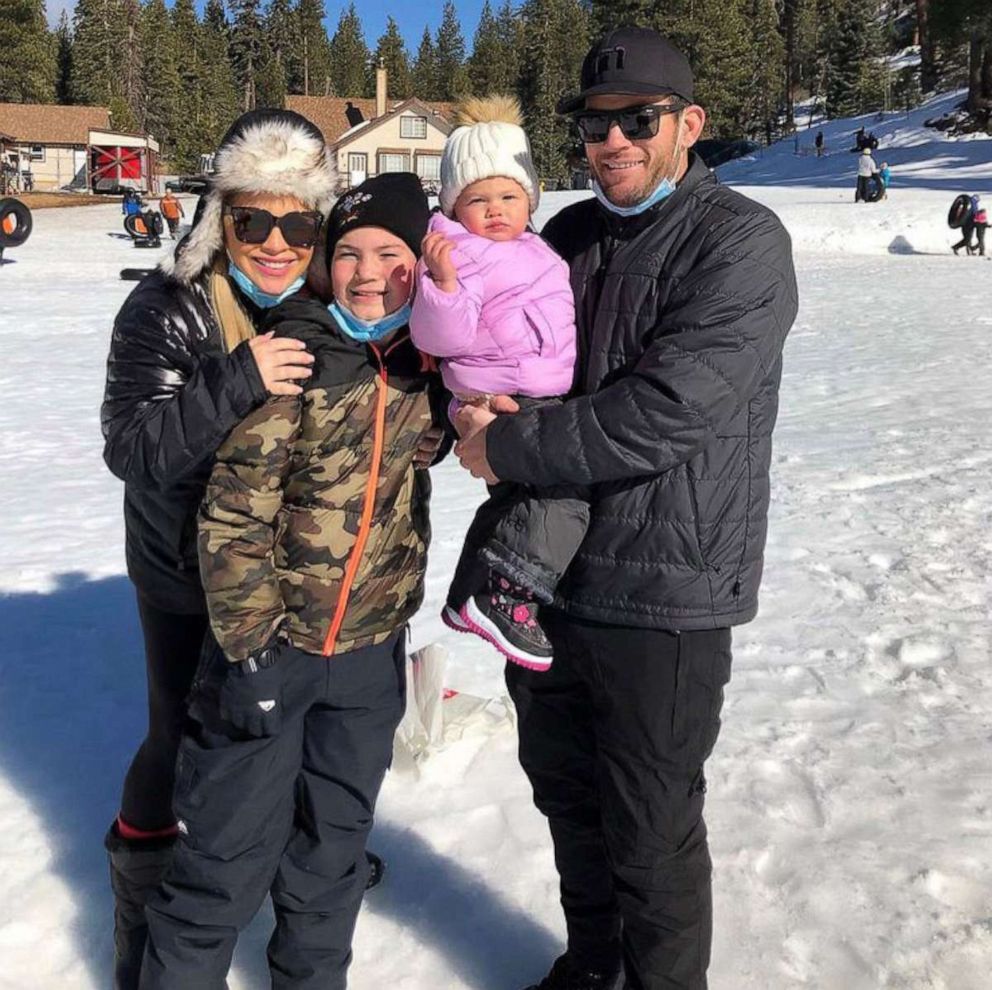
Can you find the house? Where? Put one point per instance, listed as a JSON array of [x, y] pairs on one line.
[[369, 137], [62, 146]]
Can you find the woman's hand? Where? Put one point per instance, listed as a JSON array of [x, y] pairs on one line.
[[437, 250], [428, 447], [281, 362]]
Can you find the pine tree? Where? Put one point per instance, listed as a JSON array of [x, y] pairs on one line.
[[969, 22], [159, 74], [188, 120], [847, 50], [556, 39], [315, 61], [246, 48], [511, 38], [391, 53], [767, 56], [494, 66], [452, 74], [27, 53], [607, 14], [219, 88], [96, 41], [128, 87], [270, 81], [424, 73], [349, 56], [484, 63], [63, 60]]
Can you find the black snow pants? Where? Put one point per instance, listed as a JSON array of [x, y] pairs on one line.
[[613, 739], [172, 652], [286, 815], [980, 235], [529, 535], [967, 229], [864, 186]]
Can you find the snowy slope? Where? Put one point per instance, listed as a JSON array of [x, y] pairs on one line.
[[849, 808]]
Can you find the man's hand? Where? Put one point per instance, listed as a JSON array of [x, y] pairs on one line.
[[281, 362], [471, 418], [436, 249], [472, 453], [428, 447]]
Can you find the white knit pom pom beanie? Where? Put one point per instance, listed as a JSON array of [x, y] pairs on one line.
[[488, 141]]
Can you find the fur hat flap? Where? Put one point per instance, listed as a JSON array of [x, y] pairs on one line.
[[275, 152]]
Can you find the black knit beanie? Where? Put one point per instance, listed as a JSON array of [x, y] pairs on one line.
[[394, 201]]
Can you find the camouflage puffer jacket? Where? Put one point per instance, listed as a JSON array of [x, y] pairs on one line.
[[315, 522]]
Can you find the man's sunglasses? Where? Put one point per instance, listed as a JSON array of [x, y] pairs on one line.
[[636, 123], [253, 226]]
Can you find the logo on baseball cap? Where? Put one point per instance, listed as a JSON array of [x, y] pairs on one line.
[[635, 61]]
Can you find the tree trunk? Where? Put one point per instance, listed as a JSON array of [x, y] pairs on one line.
[[928, 57]]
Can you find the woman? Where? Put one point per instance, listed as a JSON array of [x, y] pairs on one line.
[[313, 544], [185, 366]]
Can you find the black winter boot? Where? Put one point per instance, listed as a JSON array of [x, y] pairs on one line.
[[136, 868], [566, 975]]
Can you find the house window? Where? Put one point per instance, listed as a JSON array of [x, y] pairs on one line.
[[429, 167], [358, 162], [413, 127], [37, 153], [393, 163]]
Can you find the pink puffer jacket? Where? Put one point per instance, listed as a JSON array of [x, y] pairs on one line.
[[510, 327]]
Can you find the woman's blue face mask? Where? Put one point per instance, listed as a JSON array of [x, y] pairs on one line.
[[264, 300]]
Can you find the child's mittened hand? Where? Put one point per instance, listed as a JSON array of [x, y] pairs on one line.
[[437, 250]]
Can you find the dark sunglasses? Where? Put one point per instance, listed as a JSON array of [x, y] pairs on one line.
[[635, 123], [253, 226]]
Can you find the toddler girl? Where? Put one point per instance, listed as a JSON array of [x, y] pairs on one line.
[[494, 303]]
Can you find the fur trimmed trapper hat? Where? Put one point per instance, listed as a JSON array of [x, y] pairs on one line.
[[265, 151], [488, 141]]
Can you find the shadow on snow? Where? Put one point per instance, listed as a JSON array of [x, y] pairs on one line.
[[75, 712]]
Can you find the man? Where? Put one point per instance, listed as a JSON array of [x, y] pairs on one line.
[[818, 141], [172, 209], [866, 170], [685, 291]]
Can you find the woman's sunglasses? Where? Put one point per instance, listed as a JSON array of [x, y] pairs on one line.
[[636, 123], [253, 226]]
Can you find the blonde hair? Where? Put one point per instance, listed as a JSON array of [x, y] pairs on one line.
[[235, 324]]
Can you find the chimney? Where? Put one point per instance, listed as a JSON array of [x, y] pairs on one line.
[[380, 90]]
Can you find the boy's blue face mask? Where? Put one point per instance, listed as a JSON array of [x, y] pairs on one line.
[[264, 300], [369, 331]]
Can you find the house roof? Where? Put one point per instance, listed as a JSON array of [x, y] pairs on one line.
[[429, 110], [49, 123], [329, 112]]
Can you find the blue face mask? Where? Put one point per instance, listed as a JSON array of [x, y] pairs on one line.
[[663, 191], [369, 331], [264, 300]]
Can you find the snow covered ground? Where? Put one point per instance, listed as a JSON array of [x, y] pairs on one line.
[[850, 802]]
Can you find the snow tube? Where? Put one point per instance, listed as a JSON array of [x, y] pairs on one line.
[[135, 226], [15, 223], [875, 189], [141, 226], [960, 212]]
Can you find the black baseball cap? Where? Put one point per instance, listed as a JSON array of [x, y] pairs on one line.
[[632, 60]]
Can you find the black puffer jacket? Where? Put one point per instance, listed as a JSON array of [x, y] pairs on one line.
[[172, 397], [682, 314]]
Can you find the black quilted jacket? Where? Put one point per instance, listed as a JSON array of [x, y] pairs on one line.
[[172, 396], [682, 314]]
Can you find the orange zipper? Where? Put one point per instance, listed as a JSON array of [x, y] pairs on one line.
[[368, 506]]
